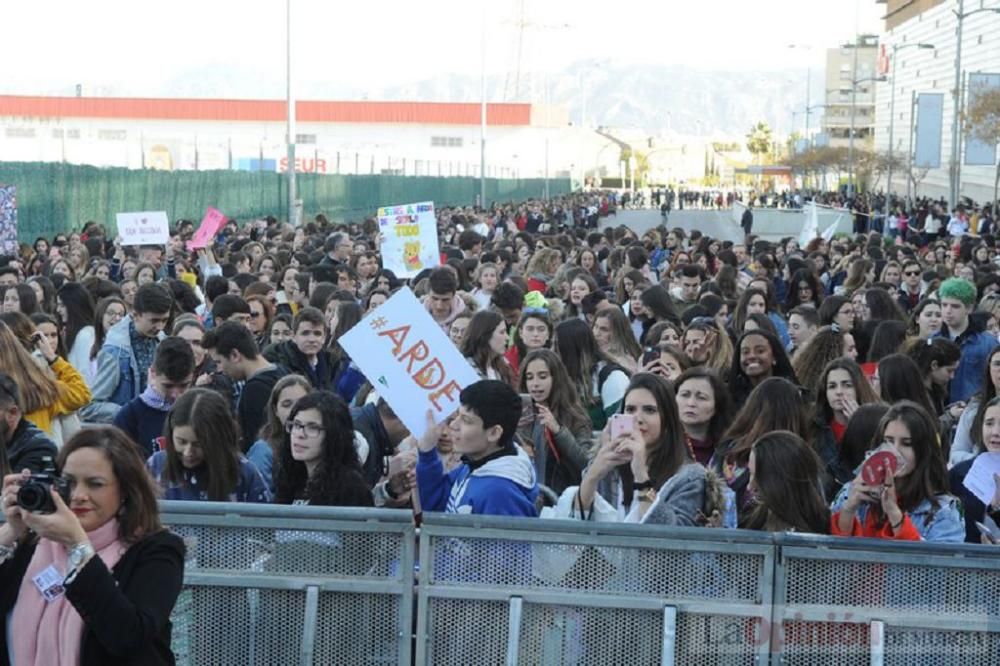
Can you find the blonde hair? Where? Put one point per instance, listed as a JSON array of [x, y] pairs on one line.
[[38, 389]]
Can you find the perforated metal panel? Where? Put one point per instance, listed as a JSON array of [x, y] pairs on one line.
[[235, 626], [466, 632], [292, 552], [581, 636], [717, 640], [358, 629], [918, 647], [826, 643], [670, 574], [932, 589]]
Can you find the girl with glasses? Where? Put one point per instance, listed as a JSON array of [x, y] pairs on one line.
[[320, 465]]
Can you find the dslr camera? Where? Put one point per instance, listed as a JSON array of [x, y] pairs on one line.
[[35, 494]]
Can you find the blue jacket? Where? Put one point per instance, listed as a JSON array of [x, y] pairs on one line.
[[782, 327], [976, 346], [500, 485], [348, 380], [144, 424], [249, 488], [116, 380], [943, 524]]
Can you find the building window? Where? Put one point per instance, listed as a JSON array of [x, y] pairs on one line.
[[446, 142], [305, 138], [20, 133], [111, 135]]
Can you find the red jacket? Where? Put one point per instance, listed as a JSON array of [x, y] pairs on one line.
[[907, 532]]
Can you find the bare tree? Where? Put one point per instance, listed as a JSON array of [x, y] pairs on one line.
[[982, 122]]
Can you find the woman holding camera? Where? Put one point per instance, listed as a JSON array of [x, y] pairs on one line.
[[96, 578]]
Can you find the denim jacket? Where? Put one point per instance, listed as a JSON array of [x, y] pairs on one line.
[[946, 525], [976, 346]]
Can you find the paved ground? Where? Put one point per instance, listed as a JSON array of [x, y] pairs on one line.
[[716, 224]]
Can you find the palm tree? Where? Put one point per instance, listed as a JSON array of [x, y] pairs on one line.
[[759, 140]]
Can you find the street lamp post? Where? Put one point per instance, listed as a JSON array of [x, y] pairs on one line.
[[293, 217], [482, 112], [953, 177], [892, 112]]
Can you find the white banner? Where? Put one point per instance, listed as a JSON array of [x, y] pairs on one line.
[[409, 360], [409, 238], [810, 229], [146, 228]]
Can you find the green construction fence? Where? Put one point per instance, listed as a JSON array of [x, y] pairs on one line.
[[56, 197]]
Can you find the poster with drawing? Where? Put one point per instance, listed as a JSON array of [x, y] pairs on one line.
[[8, 220], [409, 238], [409, 360]]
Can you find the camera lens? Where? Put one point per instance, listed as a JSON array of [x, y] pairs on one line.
[[31, 497]]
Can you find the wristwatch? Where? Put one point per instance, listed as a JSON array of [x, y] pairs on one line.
[[77, 555], [645, 491]]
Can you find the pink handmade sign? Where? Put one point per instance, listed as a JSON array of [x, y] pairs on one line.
[[210, 225]]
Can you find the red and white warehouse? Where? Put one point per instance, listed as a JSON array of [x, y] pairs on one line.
[[405, 138]]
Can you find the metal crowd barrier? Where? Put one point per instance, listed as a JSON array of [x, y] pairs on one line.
[[866, 601], [312, 585], [561, 592], [267, 584]]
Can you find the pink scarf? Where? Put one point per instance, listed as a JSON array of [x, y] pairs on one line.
[[49, 633]]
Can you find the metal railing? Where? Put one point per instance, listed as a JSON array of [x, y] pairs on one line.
[[311, 585], [284, 585]]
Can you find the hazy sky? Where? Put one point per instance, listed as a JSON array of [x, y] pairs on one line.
[[137, 46]]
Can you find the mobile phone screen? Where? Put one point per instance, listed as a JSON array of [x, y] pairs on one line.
[[649, 355]]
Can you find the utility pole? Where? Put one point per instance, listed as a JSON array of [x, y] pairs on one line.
[[290, 129], [850, 141], [482, 114]]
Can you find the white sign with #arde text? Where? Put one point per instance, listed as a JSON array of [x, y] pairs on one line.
[[146, 228], [409, 361]]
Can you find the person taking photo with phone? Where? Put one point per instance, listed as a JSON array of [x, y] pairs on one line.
[[51, 389], [643, 471]]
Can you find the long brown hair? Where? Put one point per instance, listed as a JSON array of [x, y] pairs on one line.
[[623, 342], [864, 394], [476, 345], [564, 401], [206, 412], [787, 486], [775, 404], [665, 456], [139, 515], [38, 389], [273, 431], [929, 478]]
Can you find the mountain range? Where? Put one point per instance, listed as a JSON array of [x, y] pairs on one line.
[[654, 98]]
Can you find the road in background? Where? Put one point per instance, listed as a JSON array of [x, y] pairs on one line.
[[717, 224]]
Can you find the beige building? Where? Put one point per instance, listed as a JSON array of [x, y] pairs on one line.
[[844, 65]]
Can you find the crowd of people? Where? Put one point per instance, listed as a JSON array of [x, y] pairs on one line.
[[665, 378]]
